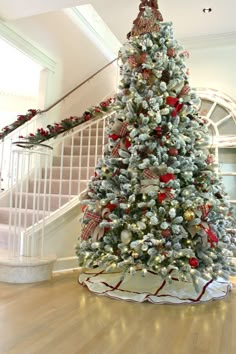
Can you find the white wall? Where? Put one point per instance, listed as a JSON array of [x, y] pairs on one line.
[[214, 67], [76, 58]]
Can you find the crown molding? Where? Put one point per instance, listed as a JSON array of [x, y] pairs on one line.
[[26, 47], [211, 40]]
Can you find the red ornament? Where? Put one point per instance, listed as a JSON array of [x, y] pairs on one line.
[[166, 233], [170, 52], [193, 262], [167, 177], [173, 152]]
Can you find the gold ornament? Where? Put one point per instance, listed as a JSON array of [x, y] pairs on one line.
[[189, 215]]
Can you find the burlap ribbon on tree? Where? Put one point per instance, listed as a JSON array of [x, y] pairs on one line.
[[146, 25], [93, 228]]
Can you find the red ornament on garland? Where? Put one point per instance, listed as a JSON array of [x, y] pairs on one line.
[[193, 262], [173, 152]]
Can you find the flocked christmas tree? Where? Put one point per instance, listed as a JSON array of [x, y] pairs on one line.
[[155, 202]]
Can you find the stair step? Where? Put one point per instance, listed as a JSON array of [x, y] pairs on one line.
[[55, 186], [23, 217], [75, 160], [68, 173], [51, 201]]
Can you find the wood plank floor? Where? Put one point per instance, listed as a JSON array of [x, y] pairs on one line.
[[62, 317]]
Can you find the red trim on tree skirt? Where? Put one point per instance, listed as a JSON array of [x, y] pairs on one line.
[[152, 287]]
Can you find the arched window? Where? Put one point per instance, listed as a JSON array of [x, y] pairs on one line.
[[219, 110]]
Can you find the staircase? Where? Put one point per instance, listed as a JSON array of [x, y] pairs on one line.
[[50, 194]]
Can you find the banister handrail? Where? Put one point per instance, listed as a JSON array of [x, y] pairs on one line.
[[78, 86]]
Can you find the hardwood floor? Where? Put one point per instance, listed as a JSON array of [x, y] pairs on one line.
[[62, 317]]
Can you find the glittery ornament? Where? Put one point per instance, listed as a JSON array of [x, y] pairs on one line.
[[173, 152], [189, 215], [193, 262]]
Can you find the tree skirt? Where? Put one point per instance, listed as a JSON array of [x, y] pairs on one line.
[[152, 287]]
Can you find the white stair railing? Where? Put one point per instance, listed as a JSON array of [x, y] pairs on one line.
[[27, 208], [47, 179], [6, 150]]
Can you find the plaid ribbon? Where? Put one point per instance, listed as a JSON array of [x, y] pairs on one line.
[[205, 209], [149, 174], [124, 130], [88, 229], [115, 150], [165, 194]]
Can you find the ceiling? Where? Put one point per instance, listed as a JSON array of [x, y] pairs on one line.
[[187, 15]]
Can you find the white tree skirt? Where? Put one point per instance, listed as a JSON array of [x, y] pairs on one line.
[[152, 287]]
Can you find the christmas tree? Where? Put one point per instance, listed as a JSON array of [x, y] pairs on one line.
[[156, 204]]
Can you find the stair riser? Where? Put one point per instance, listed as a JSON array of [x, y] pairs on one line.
[[38, 203], [55, 187], [22, 219], [85, 161], [76, 173]]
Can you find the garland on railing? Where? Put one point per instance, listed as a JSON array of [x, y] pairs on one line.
[[22, 119], [52, 131]]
